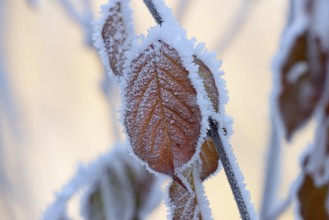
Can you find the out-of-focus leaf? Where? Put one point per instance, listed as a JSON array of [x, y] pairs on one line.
[[95, 205], [303, 75], [162, 118], [209, 158], [312, 200], [124, 186], [208, 82], [115, 36]]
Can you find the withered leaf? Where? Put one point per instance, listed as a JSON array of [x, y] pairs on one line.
[[115, 36], [303, 74], [209, 158], [183, 203], [162, 118], [312, 200], [208, 83]]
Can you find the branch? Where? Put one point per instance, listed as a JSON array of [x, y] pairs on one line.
[[235, 25], [153, 11], [84, 20], [271, 173], [229, 171]]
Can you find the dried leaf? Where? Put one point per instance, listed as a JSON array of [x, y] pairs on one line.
[[184, 201], [184, 204], [115, 37], [163, 119], [209, 158], [312, 200], [303, 75], [208, 82]]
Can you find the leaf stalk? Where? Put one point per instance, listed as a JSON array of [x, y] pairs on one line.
[[229, 171]]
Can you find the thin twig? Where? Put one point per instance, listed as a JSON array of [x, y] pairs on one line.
[[280, 208], [153, 11], [271, 173], [230, 173]]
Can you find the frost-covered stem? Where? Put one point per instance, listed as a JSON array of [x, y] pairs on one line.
[[82, 19], [271, 174], [229, 171], [281, 208], [154, 12]]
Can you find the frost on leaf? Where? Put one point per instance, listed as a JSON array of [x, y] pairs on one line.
[[186, 202], [115, 37], [208, 83], [312, 200], [183, 202], [162, 118]]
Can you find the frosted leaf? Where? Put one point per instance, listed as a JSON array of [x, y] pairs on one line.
[[301, 69], [95, 206], [162, 117], [188, 203], [208, 82], [112, 181], [121, 185], [209, 159], [312, 200], [299, 97], [186, 197], [114, 33]]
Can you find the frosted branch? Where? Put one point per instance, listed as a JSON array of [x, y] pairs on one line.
[[230, 172], [153, 11], [84, 20], [271, 173]]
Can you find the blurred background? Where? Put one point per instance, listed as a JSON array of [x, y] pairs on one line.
[[57, 109]]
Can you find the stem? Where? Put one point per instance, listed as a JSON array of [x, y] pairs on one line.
[[230, 174], [271, 174], [154, 11]]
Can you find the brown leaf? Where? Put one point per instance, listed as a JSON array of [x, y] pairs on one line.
[[115, 37], [163, 119], [209, 158], [301, 91], [312, 200], [184, 204], [208, 83]]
